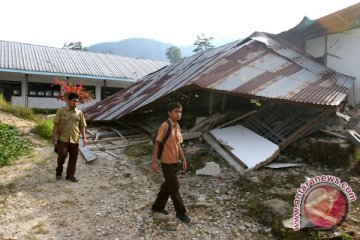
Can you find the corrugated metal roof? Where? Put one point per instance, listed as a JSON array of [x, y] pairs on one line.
[[336, 22], [28, 58], [258, 67]]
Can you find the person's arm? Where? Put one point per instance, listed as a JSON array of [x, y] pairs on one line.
[[55, 133], [183, 159], [154, 162], [83, 134]]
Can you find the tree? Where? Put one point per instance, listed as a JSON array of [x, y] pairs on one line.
[[173, 54], [74, 46], [203, 43], [67, 87]]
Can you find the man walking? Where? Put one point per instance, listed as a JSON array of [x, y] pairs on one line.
[[171, 153], [69, 122]]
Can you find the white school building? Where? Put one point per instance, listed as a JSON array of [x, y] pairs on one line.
[[27, 72]]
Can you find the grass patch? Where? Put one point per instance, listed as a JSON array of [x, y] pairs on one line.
[[138, 150], [12, 145], [21, 112], [44, 128], [40, 228], [68, 202]]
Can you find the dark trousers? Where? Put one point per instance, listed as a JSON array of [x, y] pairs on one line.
[[64, 149], [170, 188]]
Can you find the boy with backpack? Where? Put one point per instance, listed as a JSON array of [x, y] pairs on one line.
[[167, 148]]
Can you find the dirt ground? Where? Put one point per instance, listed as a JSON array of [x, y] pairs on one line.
[[111, 200], [113, 197]]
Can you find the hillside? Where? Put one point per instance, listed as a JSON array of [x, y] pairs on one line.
[[146, 48], [138, 48]]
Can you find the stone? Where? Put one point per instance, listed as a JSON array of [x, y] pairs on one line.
[[255, 179], [203, 204], [288, 223], [248, 225], [210, 169], [274, 209]]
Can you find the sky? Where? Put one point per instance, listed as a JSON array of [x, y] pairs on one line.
[[55, 22]]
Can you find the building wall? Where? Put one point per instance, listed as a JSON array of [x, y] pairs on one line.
[[342, 54], [52, 102]]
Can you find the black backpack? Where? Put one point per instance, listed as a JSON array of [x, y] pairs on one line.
[[167, 135]]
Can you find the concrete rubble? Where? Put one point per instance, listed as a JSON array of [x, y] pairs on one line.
[[210, 169]]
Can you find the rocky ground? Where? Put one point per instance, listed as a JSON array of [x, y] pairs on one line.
[[113, 197]]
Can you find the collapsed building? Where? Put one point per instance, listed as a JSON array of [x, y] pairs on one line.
[[248, 99]]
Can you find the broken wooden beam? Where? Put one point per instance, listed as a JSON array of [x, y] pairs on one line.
[[105, 140], [238, 118], [120, 146], [209, 122], [333, 134], [353, 137], [190, 135], [86, 152], [119, 133]]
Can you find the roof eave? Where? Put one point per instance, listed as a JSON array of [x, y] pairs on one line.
[[66, 75]]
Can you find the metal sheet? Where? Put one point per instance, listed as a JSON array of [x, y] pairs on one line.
[[259, 67], [34, 58], [249, 147], [339, 21]]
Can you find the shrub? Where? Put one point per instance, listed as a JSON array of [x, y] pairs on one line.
[[12, 145], [18, 111], [44, 128]]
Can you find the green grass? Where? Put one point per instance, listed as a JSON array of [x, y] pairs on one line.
[[12, 145], [44, 129], [21, 112]]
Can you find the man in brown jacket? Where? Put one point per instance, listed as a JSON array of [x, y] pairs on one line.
[[172, 151], [69, 122]]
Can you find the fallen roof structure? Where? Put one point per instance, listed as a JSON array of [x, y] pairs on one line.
[[260, 66], [301, 93]]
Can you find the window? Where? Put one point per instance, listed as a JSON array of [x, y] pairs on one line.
[[109, 91], [10, 88], [90, 89], [43, 90]]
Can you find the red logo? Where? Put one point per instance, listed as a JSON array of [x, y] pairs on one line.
[[326, 206]]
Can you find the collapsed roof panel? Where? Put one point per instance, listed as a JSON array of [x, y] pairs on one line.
[[258, 67]]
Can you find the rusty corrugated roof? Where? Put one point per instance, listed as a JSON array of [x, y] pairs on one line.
[[258, 67], [339, 21], [36, 59]]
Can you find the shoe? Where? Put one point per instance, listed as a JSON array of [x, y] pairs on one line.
[[58, 176], [183, 218], [71, 178], [163, 211]]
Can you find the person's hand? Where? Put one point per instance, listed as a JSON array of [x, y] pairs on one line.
[[154, 166], [54, 141], [184, 166], [84, 141]]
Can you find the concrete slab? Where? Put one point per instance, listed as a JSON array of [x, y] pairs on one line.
[[246, 145]]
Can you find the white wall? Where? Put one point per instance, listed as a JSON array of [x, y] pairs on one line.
[[53, 103], [342, 55]]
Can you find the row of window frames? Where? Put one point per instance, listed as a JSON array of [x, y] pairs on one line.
[[40, 93], [49, 93]]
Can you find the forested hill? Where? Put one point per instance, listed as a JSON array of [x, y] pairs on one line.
[[139, 48]]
